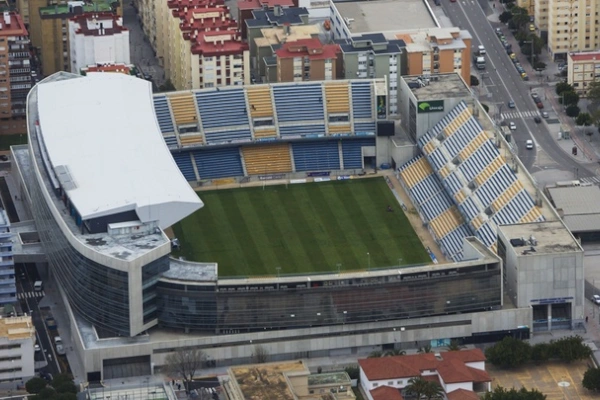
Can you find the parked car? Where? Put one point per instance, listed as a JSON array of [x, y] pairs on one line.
[[60, 349], [535, 96], [529, 144], [511, 104], [545, 114], [36, 347], [531, 28], [512, 126], [57, 340], [596, 299], [539, 105], [537, 119]]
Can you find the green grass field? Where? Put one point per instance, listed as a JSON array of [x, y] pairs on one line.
[[301, 228]]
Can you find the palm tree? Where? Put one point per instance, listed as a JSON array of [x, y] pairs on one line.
[[433, 391], [416, 387], [425, 349], [394, 352], [375, 354], [455, 345]]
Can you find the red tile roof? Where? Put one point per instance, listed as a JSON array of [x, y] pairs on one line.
[[462, 394], [16, 26], [386, 393], [311, 48], [587, 56], [411, 365], [89, 24], [207, 45], [258, 4]]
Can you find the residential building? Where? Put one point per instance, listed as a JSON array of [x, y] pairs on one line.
[[17, 341], [374, 56], [438, 50], [286, 380], [8, 290], [460, 374], [97, 38], [272, 38], [308, 60], [572, 25], [202, 47], [583, 69], [50, 31], [279, 17], [246, 7], [128, 69], [15, 73]]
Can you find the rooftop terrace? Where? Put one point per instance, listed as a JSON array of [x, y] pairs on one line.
[[67, 10]]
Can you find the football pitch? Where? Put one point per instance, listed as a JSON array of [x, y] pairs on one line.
[[302, 228]]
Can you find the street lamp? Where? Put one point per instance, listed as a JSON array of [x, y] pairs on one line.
[[368, 261]]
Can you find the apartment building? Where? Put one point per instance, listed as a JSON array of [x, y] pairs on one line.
[[572, 26], [374, 56], [200, 46], [438, 51], [17, 340], [129, 69], [583, 69], [97, 38], [273, 38], [246, 7], [308, 60], [8, 289], [15, 82], [50, 31]]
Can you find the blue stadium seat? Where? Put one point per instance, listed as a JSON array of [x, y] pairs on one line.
[[289, 108], [302, 130], [221, 162], [362, 100], [184, 162], [213, 137], [317, 155], [163, 114], [364, 128], [352, 152], [171, 142], [223, 107]]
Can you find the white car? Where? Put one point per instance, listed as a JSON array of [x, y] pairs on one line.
[[60, 349], [57, 340], [529, 144], [596, 299], [512, 126], [36, 347]]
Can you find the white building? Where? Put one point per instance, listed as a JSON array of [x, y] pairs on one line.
[[17, 340], [97, 38]]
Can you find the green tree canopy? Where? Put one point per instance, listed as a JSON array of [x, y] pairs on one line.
[[571, 348], [509, 353], [35, 385], [474, 81], [584, 119], [573, 110], [505, 17], [591, 379], [563, 87], [570, 98], [541, 352], [500, 393]]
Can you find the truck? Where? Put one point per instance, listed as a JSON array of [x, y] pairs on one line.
[[51, 324], [480, 50], [479, 61]]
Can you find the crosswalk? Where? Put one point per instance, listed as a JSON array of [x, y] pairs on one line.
[[30, 295], [520, 114], [594, 180]]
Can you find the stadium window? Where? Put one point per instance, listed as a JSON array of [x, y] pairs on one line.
[[263, 122], [339, 118], [187, 128]]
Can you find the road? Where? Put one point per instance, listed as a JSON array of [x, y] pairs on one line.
[[26, 275], [504, 83]]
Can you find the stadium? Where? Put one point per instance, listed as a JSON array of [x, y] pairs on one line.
[[307, 247]]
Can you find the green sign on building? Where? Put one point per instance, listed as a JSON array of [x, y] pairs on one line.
[[431, 106]]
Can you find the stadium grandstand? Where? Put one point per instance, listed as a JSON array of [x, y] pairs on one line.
[[159, 303]]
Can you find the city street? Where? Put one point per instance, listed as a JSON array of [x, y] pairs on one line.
[[504, 83], [141, 52]]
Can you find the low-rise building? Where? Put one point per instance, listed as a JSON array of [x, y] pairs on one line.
[[127, 69], [286, 381], [583, 69], [308, 60], [454, 371], [97, 38], [17, 341], [246, 7]]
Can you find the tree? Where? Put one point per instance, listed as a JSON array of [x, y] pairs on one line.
[[570, 98], [541, 352], [46, 393], [66, 387], [570, 349], [375, 354], [416, 387], [509, 353], [519, 16], [260, 355], [591, 379], [563, 87], [500, 393], [65, 396], [394, 352], [433, 391], [425, 349], [593, 95], [184, 363], [353, 371], [35, 385], [474, 81], [60, 380], [455, 345], [505, 17], [584, 119], [573, 111]]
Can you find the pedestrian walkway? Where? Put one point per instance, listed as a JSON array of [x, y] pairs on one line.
[[594, 180], [520, 114], [30, 295]]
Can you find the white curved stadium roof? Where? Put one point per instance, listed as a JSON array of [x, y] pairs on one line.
[[102, 137]]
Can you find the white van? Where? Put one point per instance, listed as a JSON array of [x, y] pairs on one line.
[[38, 286]]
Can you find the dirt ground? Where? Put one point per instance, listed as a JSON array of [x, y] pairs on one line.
[[546, 378]]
